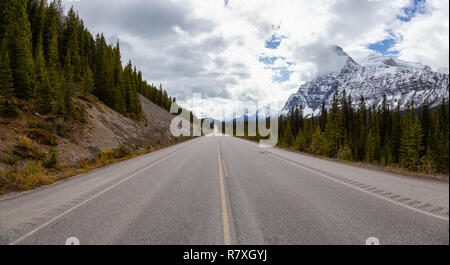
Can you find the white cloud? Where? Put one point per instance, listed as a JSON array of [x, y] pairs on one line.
[[205, 46], [426, 37]]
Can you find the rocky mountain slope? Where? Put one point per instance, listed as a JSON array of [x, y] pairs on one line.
[[401, 81], [98, 128]]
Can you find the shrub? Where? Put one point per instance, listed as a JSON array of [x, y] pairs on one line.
[[35, 121], [42, 136], [8, 159], [80, 114], [61, 129], [121, 151], [345, 153], [31, 176], [86, 98], [100, 109], [25, 149], [52, 161], [8, 108], [107, 153]]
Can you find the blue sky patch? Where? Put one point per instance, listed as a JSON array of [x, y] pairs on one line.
[[417, 6], [383, 47], [268, 59], [273, 43]]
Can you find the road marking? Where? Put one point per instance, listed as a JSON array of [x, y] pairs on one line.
[[352, 186], [98, 194], [224, 169], [225, 224]]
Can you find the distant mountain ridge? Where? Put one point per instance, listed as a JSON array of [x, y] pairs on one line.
[[375, 75]]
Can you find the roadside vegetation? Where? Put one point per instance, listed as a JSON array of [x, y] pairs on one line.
[[43, 168], [409, 141]]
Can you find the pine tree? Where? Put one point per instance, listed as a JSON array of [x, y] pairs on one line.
[[88, 81], [288, 138], [385, 122], [319, 143], [300, 141], [8, 105], [323, 116], [372, 143], [18, 37], [360, 130], [118, 81], [51, 50], [36, 16], [441, 138], [71, 47], [425, 120], [334, 127], [68, 87], [411, 140], [42, 88]]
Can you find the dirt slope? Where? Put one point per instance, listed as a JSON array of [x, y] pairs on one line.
[[103, 128]]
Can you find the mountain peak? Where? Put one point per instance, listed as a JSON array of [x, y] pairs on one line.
[[375, 75], [375, 59]]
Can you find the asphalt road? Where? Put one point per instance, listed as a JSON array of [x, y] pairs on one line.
[[224, 190]]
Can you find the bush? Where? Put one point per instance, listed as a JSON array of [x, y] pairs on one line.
[[121, 151], [8, 159], [345, 153], [52, 161], [8, 108], [42, 136], [107, 153], [25, 149], [100, 109], [38, 122], [80, 114], [31, 176], [86, 98]]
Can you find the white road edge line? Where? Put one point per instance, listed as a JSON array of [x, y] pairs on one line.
[[354, 187], [95, 196]]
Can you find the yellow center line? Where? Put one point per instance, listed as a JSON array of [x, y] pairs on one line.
[[226, 228], [224, 168]]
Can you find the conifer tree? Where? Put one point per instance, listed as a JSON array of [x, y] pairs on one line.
[[88, 81], [319, 143], [8, 105], [18, 37], [288, 138], [334, 127], [411, 140], [68, 87], [42, 88]]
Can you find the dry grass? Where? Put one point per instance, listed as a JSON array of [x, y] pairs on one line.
[[34, 174], [42, 136], [25, 148], [425, 171]]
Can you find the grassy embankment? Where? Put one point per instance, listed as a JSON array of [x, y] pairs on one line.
[[43, 169]]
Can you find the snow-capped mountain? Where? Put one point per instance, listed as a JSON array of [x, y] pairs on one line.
[[260, 113], [401, 81]]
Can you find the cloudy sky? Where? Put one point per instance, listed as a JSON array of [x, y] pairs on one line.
[[235, 52]]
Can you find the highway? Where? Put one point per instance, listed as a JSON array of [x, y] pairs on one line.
[[227, 191]]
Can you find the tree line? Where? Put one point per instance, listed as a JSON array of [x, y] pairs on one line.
[[46, 57], [412, 139]]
